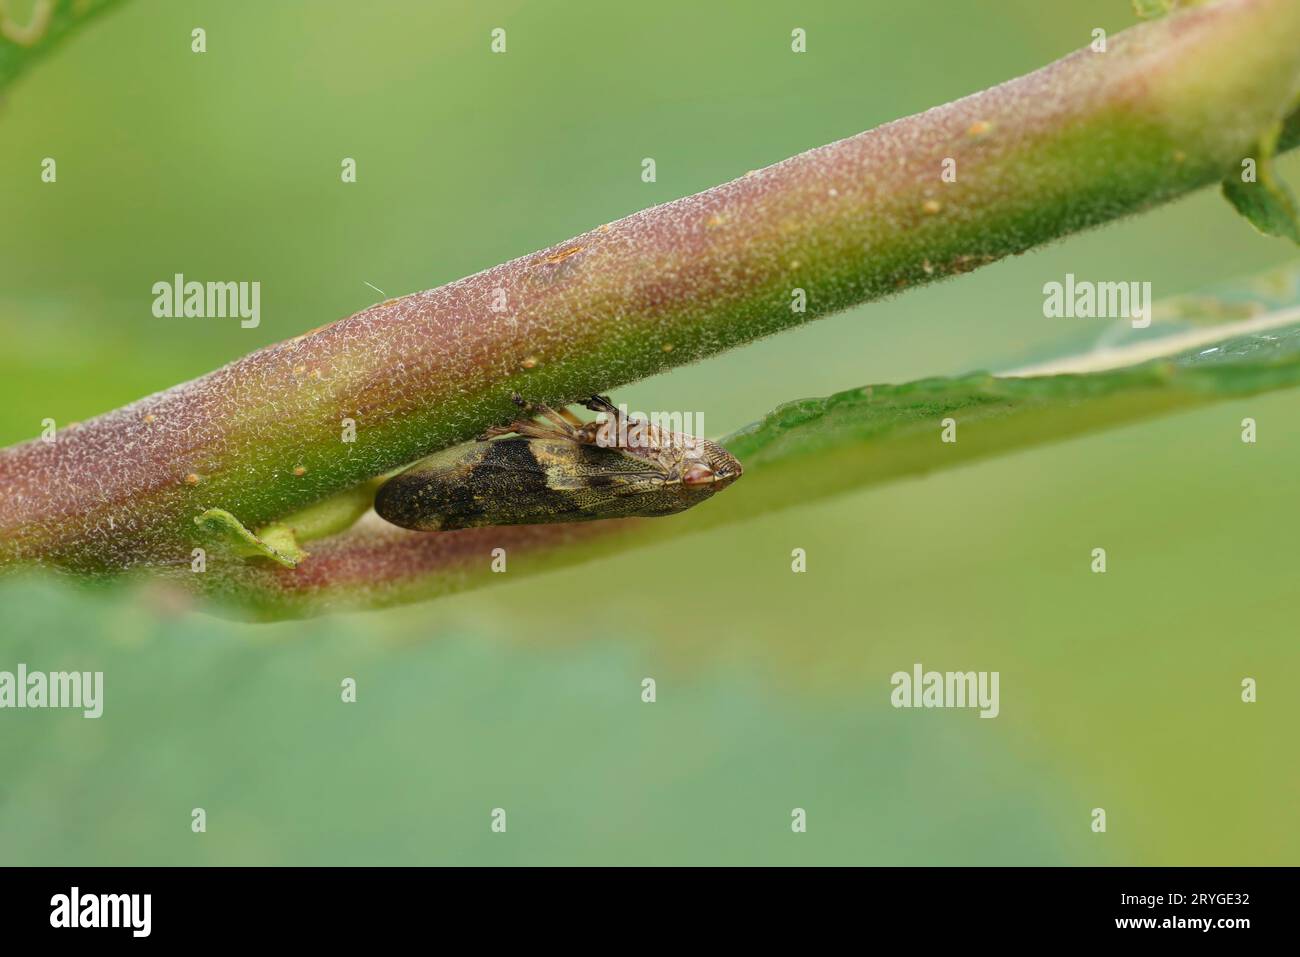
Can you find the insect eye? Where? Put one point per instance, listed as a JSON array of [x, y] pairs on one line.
[[698, 475]]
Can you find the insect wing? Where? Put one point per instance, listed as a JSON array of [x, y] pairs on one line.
[[520, 482]]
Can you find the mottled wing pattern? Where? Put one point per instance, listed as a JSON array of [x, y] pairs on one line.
[[521, 481]]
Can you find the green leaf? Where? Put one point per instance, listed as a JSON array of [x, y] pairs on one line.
[[326, 517], [30, 31], [282, 541], [276, 542], [1260, 196]]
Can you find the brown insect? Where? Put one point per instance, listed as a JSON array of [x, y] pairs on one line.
[[557, 468]]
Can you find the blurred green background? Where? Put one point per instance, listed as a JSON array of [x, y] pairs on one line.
[[1118, 691]]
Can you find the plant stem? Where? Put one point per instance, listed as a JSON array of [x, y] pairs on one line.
[[1171, 106]]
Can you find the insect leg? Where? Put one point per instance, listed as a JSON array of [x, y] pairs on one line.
[[569, 416], [562, 425], [565, 421], [529, 429]]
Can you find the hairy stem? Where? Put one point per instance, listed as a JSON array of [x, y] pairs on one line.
[[1171, 106]]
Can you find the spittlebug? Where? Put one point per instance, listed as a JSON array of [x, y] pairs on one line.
[[558, 470]]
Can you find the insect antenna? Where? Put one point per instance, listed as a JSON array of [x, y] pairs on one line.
[[601, 403]]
